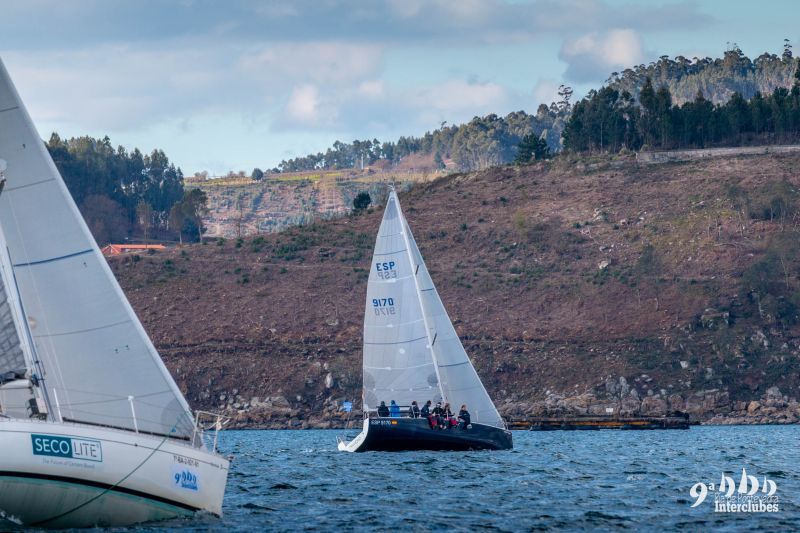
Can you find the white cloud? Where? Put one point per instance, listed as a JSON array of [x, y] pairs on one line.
[[122, 87], [277, 10], [372, 89], [458, 95], [593, 56], [405, 8], [303, 104], [545, 91], [320, 62]]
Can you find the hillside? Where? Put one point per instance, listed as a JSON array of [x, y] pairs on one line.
[[575, 284]]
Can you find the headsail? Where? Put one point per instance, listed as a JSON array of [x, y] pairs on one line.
[[460, 383], [93, 348], [436, 365]]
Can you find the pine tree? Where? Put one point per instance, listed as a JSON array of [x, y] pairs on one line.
[[531, 148]]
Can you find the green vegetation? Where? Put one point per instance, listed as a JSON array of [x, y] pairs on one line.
[[717, 79], [119, 193], [532, 148], [361, 201], [480, 143], [186, 216], [123, 195], [615, 118]]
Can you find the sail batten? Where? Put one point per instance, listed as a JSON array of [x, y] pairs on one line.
[[94, 350]]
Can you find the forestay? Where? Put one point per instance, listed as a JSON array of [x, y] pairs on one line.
[[94, 350], [429, 357]]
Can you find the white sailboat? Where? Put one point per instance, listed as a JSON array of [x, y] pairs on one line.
[[412, 353], [93, 429]]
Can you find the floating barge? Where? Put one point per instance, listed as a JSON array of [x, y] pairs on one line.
[[601, 422]]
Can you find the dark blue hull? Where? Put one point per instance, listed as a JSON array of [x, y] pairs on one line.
[[405, 434]]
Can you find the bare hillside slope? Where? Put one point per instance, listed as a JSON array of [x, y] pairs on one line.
[[576, 286]]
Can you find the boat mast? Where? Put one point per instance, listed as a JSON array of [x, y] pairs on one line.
[[32, 360], [415, 265]]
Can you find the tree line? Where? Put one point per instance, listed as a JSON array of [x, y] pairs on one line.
[[479, 143], [717, 78], [610, 120], [124, 195]]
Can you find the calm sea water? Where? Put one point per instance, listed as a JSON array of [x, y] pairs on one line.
[[296, 480]]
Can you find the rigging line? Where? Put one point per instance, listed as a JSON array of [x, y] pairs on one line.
[[9, 109], [115, 485]]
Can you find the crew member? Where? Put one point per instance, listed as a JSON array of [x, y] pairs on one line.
[[463, 417]]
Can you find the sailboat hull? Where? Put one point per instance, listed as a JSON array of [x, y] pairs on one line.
[[67, 475], [407, 434]]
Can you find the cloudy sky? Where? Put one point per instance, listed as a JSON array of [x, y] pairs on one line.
[[231, 85]]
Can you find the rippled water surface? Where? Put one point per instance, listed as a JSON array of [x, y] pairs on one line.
[[296, 480]]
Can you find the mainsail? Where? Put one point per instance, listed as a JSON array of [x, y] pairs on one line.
[[411, 350], [398, 364], [99, 364]]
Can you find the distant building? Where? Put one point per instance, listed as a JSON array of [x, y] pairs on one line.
[[117, 249]]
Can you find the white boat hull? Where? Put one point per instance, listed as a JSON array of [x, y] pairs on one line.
[[69, 475], [355, 444]]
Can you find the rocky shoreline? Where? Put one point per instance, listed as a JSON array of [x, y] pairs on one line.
[[707, 407]]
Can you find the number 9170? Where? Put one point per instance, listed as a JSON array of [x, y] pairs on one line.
[[383, 306]]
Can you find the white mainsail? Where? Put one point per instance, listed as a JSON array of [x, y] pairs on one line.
[[411, 350], [398, 364], [99, 364]]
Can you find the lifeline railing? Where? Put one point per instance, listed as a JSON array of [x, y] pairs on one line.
[[207, 426], [405, 412]]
